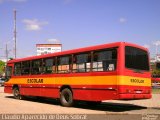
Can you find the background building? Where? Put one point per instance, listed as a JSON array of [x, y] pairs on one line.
[[48, 48], [155, 59]]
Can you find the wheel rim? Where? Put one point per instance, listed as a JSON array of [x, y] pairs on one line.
[[67, 97], [16, 93]]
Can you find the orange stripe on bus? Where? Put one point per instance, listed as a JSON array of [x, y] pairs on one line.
[[87, 80]]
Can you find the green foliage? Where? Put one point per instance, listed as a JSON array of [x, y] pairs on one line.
[[156, 72], [11, 58], [2, 65]]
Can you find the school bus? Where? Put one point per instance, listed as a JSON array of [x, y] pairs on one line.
[[113, 71]]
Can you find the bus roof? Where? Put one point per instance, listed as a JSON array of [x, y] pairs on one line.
[[79, 50]]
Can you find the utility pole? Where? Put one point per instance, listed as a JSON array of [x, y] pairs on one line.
[[6, 53], [156, 52], [15, 35]]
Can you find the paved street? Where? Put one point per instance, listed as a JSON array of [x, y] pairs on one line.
[[48, 106]]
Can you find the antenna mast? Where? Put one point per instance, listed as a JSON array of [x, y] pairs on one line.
[[15, 34]]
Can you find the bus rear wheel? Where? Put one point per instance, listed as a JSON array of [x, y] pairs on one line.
[[16, 93], [66, 97]]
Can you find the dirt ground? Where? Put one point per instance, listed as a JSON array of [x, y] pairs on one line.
[[49, 106]]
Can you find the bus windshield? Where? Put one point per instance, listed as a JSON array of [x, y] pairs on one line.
[[136, 58], [8, 72]]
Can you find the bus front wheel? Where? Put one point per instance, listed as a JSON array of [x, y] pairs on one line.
[[66, 97], [16, 93]]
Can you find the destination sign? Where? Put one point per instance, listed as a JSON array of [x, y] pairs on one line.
[[34, 80], [136, 81]]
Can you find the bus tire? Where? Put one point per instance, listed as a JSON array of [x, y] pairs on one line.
[[16, 93], [66, 97]]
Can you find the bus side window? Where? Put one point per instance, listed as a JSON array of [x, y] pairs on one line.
[[64, 64], [36, 67], [104, 60], [49, 66], [25, 67], [82, 62], [17, 69]]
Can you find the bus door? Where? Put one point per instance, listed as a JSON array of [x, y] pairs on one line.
[[8, 76]]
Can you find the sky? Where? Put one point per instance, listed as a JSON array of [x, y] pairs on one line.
[[78, 23]]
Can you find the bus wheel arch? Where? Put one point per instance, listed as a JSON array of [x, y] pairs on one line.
[[15, 86], [66, 96]]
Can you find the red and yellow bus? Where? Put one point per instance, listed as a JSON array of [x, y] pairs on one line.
[[104, 72]]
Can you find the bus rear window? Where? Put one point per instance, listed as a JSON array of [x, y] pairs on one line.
[[136, 58]]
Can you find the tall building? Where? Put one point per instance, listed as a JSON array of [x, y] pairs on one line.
[[48, 48]]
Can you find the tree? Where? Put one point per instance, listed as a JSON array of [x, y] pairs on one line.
[[2, 65], [156, 73]]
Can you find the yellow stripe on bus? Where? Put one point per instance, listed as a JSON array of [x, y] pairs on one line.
[[134, 81], [85, 80]]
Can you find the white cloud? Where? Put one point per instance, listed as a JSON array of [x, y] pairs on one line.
[[122, 20], [53, 41], [146, 46], [34, 24], [157, 43]]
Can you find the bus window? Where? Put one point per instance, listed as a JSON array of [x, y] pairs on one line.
[[82, 62], [136, 58], [17, 69], [104, 60], [49, 65], [25, 67], [36, 66], [63, 64]]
